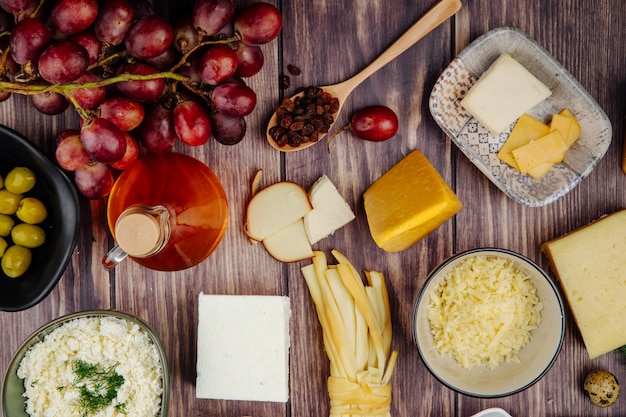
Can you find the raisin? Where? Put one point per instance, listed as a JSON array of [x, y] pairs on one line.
[[285, 82], [293, 70]]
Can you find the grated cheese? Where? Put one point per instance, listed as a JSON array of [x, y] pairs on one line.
[[483, 312]]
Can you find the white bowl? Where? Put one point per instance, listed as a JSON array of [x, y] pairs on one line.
[[535, 359]]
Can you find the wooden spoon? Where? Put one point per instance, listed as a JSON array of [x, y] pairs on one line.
[[435, 16]]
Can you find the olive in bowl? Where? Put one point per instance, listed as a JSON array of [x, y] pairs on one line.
[[58, 195]]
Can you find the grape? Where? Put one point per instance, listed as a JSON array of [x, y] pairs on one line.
[[65, 134], [218, 63], [114, 19], [157, 133], [94, 180], [63, 62], [18, 7], [250, 60], [29, 38], [123, 112], [191, 69], [191, 123], [374, 123], [142, 8], [185, 35], [234, 99], [70, 153], [49, 102], [73, 16], [89, 98], [210, 16], [258, 23], [150, 36], [142, 91], [90, 42], [130, 156], [227, 129], [103, 140], [165, 60]]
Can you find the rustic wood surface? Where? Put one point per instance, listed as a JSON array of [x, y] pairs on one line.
[[330, 41]]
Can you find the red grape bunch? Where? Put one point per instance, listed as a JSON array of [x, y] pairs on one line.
[[140, 82]]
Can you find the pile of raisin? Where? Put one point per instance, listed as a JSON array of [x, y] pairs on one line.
[[304, 119]]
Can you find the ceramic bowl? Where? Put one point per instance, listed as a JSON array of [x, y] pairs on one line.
[[535, 358], [13, 403], [59, 196]]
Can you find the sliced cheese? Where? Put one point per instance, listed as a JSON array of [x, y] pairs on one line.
[[290, 243], [590, 264], [539, 171], [330, 211], [525, 130], [503, 93], [566, 123], [550, 148], [407, 203]]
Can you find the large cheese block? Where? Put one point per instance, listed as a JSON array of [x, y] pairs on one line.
[[590, 264], [407, 203], [503, 93]]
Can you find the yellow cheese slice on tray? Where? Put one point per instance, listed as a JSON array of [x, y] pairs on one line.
[[525, 130], [550, 148]]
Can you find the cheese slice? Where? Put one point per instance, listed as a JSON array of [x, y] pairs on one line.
[[550, 148], [407, 203], [243, 347], [503, 93], [590, 264], [567, 125], [330, 211], [525, 130]]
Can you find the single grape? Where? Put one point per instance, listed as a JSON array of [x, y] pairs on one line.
[[29, 38], [90, 42], [210, 16], [165, 60], [103, 140], [157, 133], [70, 153], [191, 123], [49, 103], [227, 129], [234, 99], [130, 156], [63, 62], [191, 69], [218, 63], [18, 7], [258, 23], [374, 123], [73, 16], [142, 91], [123, 112], [142, 8], [150, 36], [250, 60], [185, 35], [65, 134], [89, 97], [114, 20], [94, 180]]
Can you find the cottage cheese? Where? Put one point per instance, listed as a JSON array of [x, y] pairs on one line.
[[483, 312], [116, 343]]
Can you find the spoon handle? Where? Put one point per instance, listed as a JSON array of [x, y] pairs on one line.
[[436, 15]]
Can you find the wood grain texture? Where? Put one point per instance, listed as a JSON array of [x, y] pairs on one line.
[[330, 41]]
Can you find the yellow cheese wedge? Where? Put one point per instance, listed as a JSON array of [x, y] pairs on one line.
[[590, 264], [525, 130], [407, 203], [503, 93], [549, 148]]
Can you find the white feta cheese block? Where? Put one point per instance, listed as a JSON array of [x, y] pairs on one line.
[[330, 211], [243, 347], [503, 93]]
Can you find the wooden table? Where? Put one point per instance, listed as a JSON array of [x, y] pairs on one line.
[[330, 41]]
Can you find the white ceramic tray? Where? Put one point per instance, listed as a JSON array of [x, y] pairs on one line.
[[481, 147]]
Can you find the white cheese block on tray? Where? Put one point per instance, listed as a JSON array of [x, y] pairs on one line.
[[503, 93], [243, 347]]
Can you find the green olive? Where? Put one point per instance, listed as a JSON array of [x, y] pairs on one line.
[[19, 180], [16, 261], [3, 246], [31, 210], [9, 201], [28, 235], [6, 224]]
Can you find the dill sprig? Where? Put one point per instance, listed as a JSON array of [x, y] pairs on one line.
[[97, 385]]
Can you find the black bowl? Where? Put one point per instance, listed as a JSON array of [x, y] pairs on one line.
[[59, 196]]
